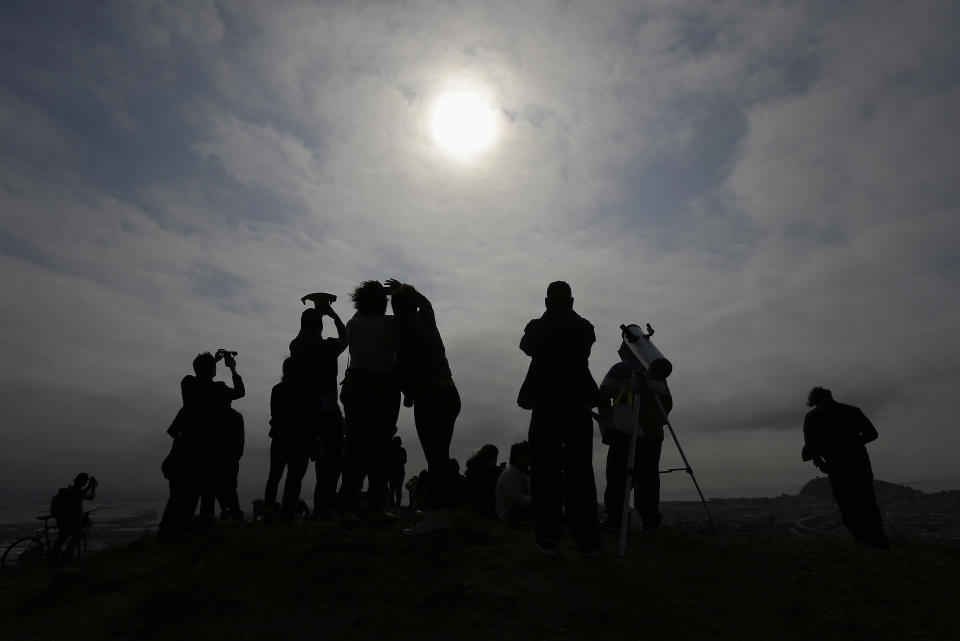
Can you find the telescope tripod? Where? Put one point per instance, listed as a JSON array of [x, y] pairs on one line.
[[639, 387]]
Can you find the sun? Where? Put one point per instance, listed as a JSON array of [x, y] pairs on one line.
[[463, 122]]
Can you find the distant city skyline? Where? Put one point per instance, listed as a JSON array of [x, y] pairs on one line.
[[771, 187]]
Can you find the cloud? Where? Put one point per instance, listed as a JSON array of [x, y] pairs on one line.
[[769, 186]]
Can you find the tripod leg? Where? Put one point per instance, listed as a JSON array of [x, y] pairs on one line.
[[631, 456], [690, 472]]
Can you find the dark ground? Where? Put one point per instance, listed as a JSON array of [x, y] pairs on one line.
[[483, 579]]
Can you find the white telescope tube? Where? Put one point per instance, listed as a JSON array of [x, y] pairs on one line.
[[643, 348]]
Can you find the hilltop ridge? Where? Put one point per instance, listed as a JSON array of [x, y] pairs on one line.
[[483, 579]]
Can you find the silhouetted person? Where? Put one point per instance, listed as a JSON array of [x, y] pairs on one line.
[[283, 430], [481, 480], [513, 486], [67, 508], [561, 391], [427, 385], [617, 387], [834, 438], [414, 491], [199, 424], [396, 473], [371, 397], [229, 453], [319, 423]]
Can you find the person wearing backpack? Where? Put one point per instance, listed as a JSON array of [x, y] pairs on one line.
[[67, 508]]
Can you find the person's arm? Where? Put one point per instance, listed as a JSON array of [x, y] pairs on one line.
[[90, 493], [238, 391], [326, 309], [529, 344], [809, 453], [866, 429]]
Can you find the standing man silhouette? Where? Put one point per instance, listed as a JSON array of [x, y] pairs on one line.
[[834, 438], [561, 391]]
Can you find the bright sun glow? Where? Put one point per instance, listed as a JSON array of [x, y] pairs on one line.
[[463, 123]]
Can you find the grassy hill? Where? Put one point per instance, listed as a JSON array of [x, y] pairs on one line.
[[483, 579]]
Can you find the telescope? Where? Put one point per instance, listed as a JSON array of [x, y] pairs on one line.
[[646, 352], [655, 365]]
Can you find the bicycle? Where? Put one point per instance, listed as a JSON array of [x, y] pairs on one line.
[[28, 552]]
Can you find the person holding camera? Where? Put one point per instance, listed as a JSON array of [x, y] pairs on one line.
[[560, 391], [67, 508], [199, 425]]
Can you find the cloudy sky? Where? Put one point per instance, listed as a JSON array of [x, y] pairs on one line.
[[772, 185]]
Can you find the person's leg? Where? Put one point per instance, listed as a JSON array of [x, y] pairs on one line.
[[208, 483], [546, 455], [171, 523], [398, 492], [328, 465], [865, 521], [359, 418], [56, 554], [296, 468], [580, 487], [229, 499], [278, 461], [647, 484], [378, 448], [73, 539], [616, 476], [435, 415]]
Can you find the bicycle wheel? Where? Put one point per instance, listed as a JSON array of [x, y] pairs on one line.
[[22, 555]]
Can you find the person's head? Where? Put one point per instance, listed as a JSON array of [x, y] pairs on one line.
[[485, 456], [404, 301], [310, 320], [205, 366], [559, 296], [81, 479], [819, 396], [370, 298], [520, 455], [287, 369]]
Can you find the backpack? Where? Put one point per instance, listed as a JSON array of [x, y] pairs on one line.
[[58, 504]]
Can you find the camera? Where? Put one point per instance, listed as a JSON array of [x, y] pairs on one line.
[[222, 353]]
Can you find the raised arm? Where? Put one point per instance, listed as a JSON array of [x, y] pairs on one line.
[[341, 328], [238, 391], [866, 429]]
